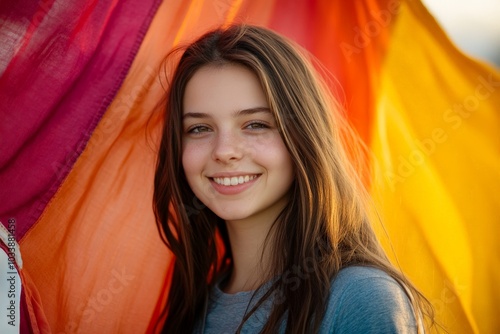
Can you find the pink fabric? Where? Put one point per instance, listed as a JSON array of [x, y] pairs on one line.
[[61, 64]]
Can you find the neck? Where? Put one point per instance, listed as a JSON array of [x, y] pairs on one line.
[[251, 261]]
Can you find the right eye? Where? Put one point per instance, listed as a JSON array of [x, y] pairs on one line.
[[198, 129]]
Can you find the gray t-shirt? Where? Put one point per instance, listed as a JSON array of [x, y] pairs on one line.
[[362, 300]]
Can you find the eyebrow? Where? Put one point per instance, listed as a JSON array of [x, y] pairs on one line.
[[243, 112]]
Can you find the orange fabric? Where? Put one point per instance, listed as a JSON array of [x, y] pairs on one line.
[[37, 318], [96, 255]]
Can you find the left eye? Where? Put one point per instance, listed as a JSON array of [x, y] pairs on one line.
[[256, 125]]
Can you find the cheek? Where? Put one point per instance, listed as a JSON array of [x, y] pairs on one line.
[[191, 160], [274, 155], [272, 147]]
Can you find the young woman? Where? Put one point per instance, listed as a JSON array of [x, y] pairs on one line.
[[258, 202]]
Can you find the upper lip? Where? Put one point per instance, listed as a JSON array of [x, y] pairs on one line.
[[232, 174]]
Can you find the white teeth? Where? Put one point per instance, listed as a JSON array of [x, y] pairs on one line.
[[235, 180]]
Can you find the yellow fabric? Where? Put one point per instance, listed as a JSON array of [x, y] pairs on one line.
[[437, 146]]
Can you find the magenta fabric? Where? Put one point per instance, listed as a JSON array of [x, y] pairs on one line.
[[61, 64]]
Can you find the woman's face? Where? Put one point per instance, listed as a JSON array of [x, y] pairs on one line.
[[233, 156]]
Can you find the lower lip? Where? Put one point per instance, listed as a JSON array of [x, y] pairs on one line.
[[232, 190]]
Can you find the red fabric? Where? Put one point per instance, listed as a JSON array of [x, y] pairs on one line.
[[339, 34], [62, 63]]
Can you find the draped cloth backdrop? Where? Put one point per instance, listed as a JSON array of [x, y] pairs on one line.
[[79, 126]]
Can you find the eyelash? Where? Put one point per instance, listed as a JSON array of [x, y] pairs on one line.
[[262, 125], [196, 128]]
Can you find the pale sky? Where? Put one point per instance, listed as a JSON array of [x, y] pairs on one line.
[[474, 25]]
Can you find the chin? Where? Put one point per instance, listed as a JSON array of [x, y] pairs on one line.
[[225, 215], [230, 217]]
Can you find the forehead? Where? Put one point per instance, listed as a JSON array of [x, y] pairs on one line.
[[223, 88]]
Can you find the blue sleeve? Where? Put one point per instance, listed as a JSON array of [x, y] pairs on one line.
[[368, 301]]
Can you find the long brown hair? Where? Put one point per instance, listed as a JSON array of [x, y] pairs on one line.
[[325, 226]]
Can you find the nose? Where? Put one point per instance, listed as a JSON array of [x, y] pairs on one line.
[[228, 147]]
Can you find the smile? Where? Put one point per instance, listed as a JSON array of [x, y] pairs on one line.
[[234, 181]]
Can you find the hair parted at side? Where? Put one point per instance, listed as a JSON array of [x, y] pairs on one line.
[[326, 223]]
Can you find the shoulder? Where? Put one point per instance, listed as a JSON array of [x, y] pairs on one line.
[[367, 300]]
